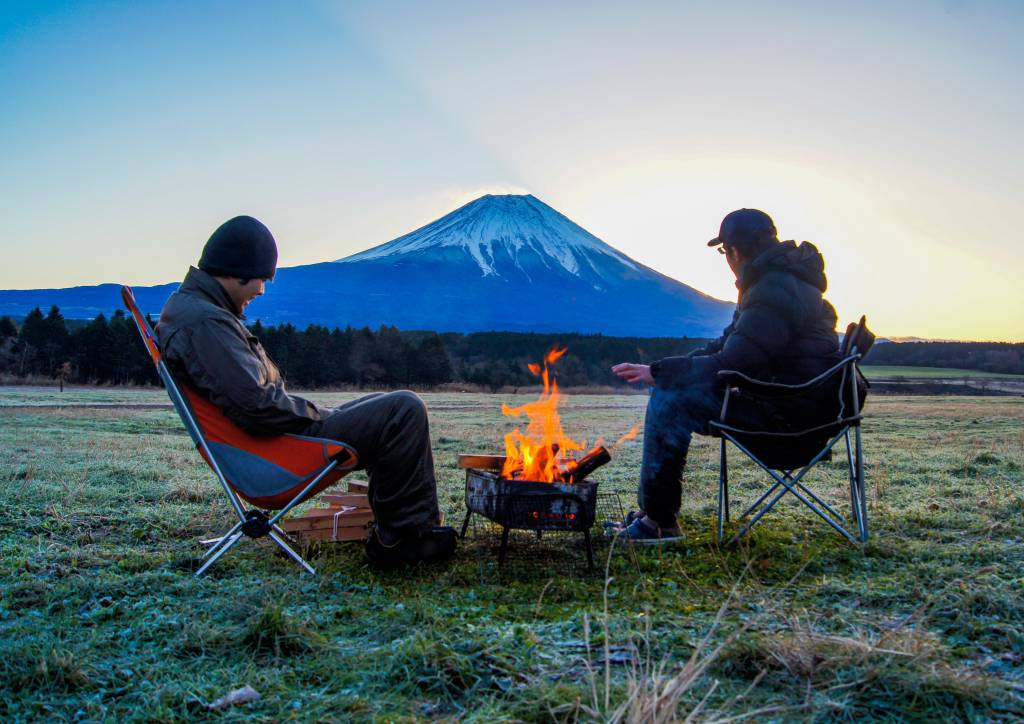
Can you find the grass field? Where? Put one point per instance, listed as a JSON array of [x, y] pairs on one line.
[[101, 619], [936, 373]]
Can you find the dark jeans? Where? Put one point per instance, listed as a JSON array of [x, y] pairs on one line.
[[390, 434], [673, 415]]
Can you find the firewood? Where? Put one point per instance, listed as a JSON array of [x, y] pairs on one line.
[[358, 486], [482, 462]]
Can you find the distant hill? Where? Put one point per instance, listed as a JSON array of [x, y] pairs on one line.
[[509, 263]]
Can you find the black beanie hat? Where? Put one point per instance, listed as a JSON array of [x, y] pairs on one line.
[[242, 248]]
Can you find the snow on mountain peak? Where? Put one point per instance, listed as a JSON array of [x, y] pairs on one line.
[[514, 224]]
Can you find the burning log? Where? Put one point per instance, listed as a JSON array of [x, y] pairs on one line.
[[576, 471]]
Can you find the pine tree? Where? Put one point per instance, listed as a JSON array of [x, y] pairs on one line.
[[56, 345], [392, 354], [95, 351], [432, 364], [341, 357], [8, 328], [8, 341], [31, 338]]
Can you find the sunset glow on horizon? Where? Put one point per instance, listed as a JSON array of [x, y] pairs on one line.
[[887, 136]]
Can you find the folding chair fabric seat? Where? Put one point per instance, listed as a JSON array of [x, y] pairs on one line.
[[275, 472], [266, 471]]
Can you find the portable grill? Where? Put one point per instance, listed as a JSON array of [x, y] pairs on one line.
[[527, 505]]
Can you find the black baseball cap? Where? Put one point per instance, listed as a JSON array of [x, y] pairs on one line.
[[743, 225]]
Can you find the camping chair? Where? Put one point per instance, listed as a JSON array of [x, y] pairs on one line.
[[787, 456], [273, 473]]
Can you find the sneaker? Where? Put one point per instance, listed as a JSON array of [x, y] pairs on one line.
[[641, 533], [617, 525], [437, 544]]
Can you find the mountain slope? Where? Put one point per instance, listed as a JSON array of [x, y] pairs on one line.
[[498, 263]]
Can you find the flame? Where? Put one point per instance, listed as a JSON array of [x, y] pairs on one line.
[[535, 454], [628, 436]]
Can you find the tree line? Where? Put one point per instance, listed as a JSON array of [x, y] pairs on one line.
[[1002, 357], [108, 351]]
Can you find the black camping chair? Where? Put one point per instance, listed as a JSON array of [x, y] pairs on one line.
[[787, 456]]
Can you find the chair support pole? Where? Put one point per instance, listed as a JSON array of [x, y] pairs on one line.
[[861, 489], [791, 485], [723, 491], [288, 549], [224, 549], [218, 542], [818, 500], [298, 498], [182, 408], [760, 500]]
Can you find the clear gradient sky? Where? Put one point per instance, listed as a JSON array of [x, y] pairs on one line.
[[887, 133]]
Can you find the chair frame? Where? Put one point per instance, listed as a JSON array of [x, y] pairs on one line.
[[252, 522], [792, 480]]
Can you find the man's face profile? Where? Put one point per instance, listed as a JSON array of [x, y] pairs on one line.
[[242, 291]]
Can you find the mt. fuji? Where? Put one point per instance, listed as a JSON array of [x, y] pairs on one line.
[[502, 263], [507, 236]]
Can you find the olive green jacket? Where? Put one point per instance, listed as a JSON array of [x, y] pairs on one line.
[[205, 343]]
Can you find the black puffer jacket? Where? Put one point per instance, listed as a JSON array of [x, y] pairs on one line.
[[783, 330]]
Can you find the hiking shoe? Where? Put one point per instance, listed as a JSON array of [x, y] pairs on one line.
[[616, 525], [437, 544], [641, 533]]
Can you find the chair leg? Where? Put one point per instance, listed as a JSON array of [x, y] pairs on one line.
[[723, 491], [862, 519], [771, 504], [216, 543], [590, 549], [504, 546], [276, 537], [851, 470], [222, 550], [465, 523]]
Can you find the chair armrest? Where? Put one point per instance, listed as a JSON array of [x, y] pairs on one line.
[[762, 388]]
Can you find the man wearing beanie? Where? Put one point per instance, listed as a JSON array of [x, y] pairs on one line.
[[205, 343]]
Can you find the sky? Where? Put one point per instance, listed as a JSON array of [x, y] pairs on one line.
[[889, 134]]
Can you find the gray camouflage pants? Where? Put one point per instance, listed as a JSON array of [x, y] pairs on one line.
[[391, 436]]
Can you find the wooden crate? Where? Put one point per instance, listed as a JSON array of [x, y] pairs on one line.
[[345, 500], [327, 534], [347, 517]]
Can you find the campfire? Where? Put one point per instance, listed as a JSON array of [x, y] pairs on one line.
[[545, 453], [541, 483]]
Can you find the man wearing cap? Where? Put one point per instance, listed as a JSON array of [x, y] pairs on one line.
[[204, 342], [783, 330]]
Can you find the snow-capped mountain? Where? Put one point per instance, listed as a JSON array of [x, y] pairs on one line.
[[509, 234], [508, 263]]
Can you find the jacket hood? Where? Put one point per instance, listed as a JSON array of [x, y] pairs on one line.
[[804, 262]]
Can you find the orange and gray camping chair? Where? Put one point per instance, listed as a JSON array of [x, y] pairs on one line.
[[786, 455], [270, 473]]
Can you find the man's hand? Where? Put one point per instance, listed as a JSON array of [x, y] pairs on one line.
[[631, 372]]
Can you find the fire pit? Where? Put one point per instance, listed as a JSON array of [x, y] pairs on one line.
[[527, 504], [541, 483]]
